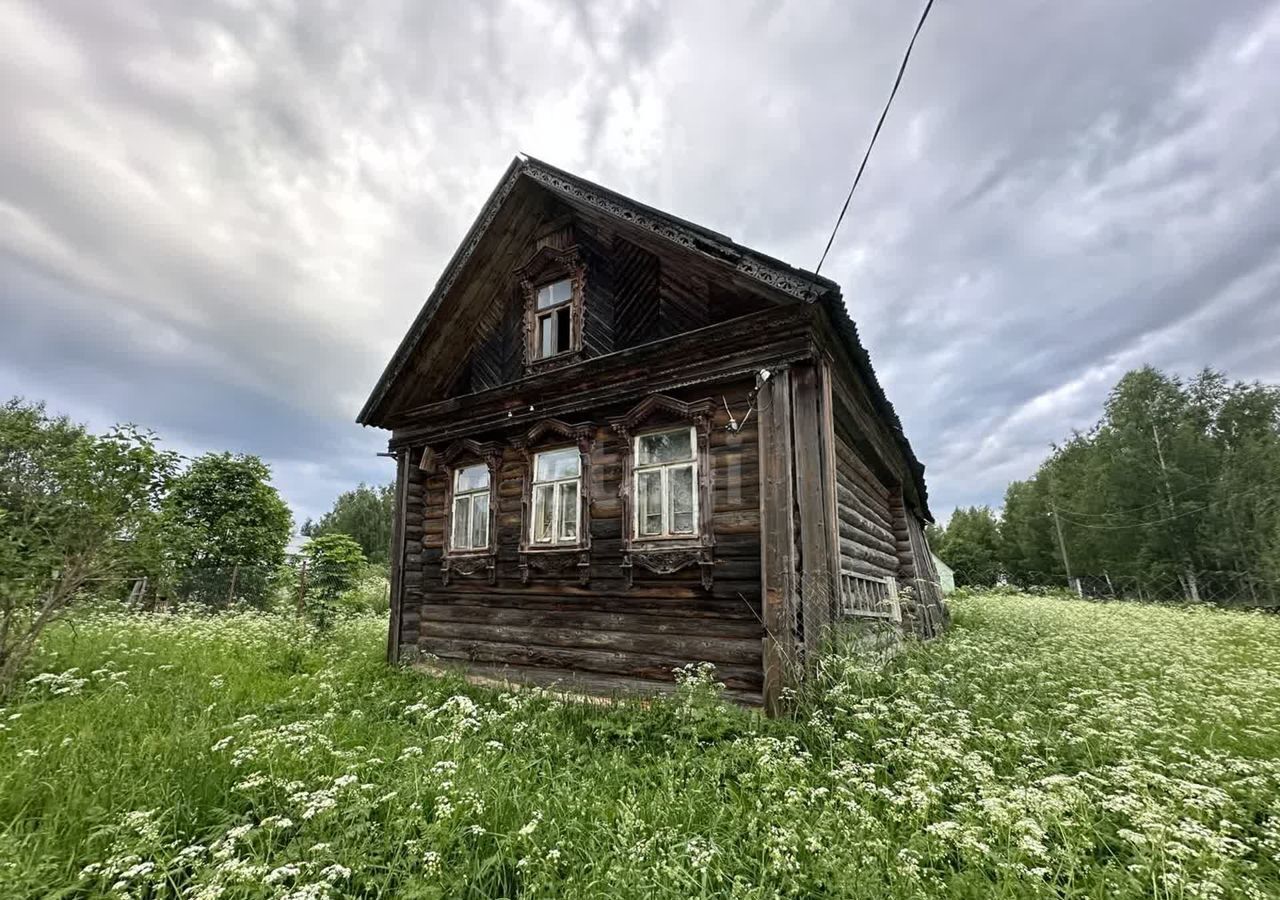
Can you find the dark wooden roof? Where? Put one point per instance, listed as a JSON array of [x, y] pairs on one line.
[[597, 201]]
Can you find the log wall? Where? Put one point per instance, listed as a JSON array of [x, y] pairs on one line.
[[865, 519], [604, 629]]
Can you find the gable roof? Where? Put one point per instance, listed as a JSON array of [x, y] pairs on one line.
[[578, 192]]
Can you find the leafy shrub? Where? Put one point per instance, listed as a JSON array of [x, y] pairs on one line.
[[334, 564], [74, 508], [371, 593]]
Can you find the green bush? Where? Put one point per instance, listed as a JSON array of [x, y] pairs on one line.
[[75, 511], [334, 564]]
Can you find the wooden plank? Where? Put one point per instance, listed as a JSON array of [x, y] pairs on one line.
[[397, 557], [831, 479], [644, 623], [716, 353], [817, 590], [658, 667], [777, 537], [709, 647], [599, 686]]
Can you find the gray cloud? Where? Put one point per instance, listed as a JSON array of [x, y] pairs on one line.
[[220, 225]]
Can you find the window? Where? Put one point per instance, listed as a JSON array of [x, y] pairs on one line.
[[556, 476], [666, 496], [553, 306], [470, 508]]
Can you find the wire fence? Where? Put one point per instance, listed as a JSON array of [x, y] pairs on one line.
[[1219, 587], [292, 585]]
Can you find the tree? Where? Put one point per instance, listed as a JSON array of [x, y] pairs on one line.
[[226, 529], [1028, 548], [970, 544], [1175, 492], [334, 564], [72, 505], [364, 514]]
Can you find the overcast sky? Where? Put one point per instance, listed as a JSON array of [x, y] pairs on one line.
[[220, 225]]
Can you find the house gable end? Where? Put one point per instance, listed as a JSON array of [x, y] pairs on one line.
[[649, 276]]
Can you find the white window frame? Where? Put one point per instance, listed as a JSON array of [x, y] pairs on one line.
[[551, 313], [557, 538], [637, 469], [469, 497]]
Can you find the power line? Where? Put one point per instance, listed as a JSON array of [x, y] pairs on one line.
[[883, 113], [1198, 486], [1170, 518]]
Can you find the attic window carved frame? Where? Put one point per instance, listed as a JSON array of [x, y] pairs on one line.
[[543, 279], [459, 455], [556, 558], [668, 553]]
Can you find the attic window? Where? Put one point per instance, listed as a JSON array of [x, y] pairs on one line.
[[554, 310]]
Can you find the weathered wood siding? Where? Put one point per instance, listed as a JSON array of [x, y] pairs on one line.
[[599, 301], [661, 622], [929, 615], [635, 314], [864, 515]]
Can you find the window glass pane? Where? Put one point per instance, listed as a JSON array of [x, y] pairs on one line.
[[668, 446], [471, 478], [557, 464], [480, 521], [649, 502], [557, 292], [569, 511], [562, 329], [546, 336], [680, 484], [461, 522], [542, 509]]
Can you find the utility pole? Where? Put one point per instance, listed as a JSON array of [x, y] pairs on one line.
[[1062, 544]]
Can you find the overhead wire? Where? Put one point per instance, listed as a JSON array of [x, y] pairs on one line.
[[1148, 523], [875, 134]]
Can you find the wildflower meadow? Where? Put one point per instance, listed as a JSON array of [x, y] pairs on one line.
[[1042, 748]]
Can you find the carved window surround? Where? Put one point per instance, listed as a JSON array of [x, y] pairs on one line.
[[666, 555], [467, 452], [561, 559], [549, 264]]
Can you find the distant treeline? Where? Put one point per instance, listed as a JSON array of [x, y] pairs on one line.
[[1175, 491]]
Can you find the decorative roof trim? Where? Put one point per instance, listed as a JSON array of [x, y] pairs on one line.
[[697, 240]]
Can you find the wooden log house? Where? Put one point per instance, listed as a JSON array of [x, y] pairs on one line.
[[625, 443]]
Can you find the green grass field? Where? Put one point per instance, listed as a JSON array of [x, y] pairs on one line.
[[1044, 748]]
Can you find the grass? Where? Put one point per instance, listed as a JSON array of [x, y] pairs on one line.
[[1044, 748]]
